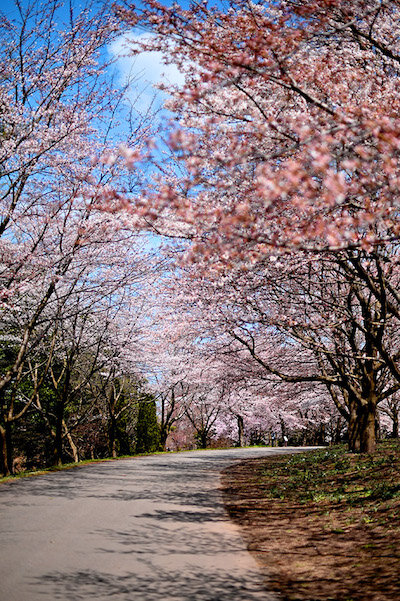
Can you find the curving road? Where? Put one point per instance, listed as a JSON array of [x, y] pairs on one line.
[[144, 529]]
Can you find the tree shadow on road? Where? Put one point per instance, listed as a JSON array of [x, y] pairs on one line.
[[167, 585], [124, 480]]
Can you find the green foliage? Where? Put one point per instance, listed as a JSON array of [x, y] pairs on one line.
[[30, 441], [334, 476], [147, 428]]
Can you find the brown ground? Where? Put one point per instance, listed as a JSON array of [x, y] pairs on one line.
[[316, 550]]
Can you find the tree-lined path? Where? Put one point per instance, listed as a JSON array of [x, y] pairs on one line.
[[146, 529]]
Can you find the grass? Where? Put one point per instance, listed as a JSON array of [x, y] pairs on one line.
[[57, 468], [336, 477], [324, 524]]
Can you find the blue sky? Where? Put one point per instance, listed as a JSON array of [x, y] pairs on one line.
[[146, 70], [6, 5]]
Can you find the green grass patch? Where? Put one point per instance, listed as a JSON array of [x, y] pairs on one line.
[[336, 478]]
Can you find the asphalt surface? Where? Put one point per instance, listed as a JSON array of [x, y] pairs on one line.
[[144, 529]]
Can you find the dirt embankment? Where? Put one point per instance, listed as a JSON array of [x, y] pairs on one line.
[[323, 526]]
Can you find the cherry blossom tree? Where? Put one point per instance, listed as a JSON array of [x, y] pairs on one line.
[[171, 407], [60, 133], [288, 140], [202, 410], [196, 354], [351, 337], [84, 370], [308, 322], [290, 127], [90, 328], [391, 409]]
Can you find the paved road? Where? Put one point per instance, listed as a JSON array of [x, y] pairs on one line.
[[145, 529]]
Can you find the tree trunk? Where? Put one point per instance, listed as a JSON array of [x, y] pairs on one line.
[[338, 428], [202, 438], [60, 410], [8, 427], [395, 427], [378, 432], [163, 437], [367, 425], [283, 430], [354, 430], [240, 423], [112, 436], [58, 435], [321, 435], [5, 466], [71, 443], [57, 451]]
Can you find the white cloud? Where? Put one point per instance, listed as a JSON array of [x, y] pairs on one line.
[[144, 71]]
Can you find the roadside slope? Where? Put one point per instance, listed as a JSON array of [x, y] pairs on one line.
[[322, 526]]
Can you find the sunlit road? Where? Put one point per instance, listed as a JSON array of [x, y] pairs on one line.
[[145, 529]]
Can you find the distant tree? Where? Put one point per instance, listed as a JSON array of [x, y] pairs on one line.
[[147, 428], [391, 409], [202, 410]]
